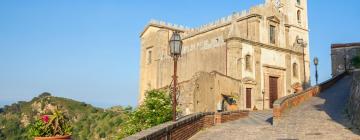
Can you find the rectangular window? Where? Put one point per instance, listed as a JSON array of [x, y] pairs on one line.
[[149, 53], [272, 34]]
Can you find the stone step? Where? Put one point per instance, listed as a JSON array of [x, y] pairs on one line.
[[260, 117], [262, 114], [261, 120]]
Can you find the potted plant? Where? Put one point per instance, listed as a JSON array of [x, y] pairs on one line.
[[51, 127]]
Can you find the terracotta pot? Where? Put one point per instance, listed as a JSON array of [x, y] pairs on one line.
[[54, 138], [233, 108]]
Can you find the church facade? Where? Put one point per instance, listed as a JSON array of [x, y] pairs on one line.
[[244, 61]]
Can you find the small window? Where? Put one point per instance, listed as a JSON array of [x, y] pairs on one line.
[[248, 62], [295, 70], [272, 34], [298, 2], [149, 56], [299, 16]]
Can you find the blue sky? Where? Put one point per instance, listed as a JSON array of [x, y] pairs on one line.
[[88, 50]]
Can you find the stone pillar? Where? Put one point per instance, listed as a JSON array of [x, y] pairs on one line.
[[234, 58], [287, 37], [258, 91], [288, 73]]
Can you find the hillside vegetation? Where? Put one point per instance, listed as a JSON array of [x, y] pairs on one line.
[[89, 122]]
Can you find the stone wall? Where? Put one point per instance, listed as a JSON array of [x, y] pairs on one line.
[[186, 127], [354, 101], [204, 91], [283, 104], [229, 116], [341, 54]]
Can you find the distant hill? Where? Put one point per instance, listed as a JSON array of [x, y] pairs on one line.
[[89, 122]]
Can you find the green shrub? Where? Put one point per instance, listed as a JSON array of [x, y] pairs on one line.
[[155, 110]]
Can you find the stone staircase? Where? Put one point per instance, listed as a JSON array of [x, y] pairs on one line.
[[257, 118]]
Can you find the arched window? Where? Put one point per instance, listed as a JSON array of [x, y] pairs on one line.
[[298, 2], [248, 62], [295, 70], [299, 16]]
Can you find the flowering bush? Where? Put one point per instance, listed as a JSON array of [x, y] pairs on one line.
[[50, 125]]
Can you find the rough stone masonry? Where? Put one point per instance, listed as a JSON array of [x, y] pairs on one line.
[[354, 101]]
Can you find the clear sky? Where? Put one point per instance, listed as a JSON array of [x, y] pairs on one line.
[[88, 50]]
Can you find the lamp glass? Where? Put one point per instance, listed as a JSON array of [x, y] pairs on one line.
[[316, 61], [175, 44]]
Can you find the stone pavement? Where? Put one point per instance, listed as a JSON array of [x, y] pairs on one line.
[[320, 118]]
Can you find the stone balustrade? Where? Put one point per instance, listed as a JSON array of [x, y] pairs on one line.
[[187, 126], [283, 104]]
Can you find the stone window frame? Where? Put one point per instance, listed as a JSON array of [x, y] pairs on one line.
[[273, 21], [299, 16], [149, 55], [298, 2], [295, 70], [272, 34], [248, 62]]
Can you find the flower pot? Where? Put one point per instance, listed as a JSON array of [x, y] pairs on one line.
[[54, 138], [233, 107]]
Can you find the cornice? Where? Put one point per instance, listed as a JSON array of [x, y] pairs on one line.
[[265, 46], [274, 67], [223, 25], [161, 27], [301, 28]]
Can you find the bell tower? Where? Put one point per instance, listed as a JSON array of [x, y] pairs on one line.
[[295, 10]]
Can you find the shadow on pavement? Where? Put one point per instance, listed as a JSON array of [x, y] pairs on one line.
[[336, 99]]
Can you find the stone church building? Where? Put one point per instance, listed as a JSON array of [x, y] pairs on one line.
[[244, 61]]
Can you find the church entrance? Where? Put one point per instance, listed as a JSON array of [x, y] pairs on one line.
[[248, 97], [273, 90]]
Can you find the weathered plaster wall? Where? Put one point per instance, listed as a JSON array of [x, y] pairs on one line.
[[204, 91]]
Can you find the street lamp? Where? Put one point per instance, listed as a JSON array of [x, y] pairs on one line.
[[316, 62], [175, 47]]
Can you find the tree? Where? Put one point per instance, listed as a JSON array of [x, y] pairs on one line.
[[45, 94], [155, 110]]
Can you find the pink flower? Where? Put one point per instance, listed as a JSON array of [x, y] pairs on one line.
[[45, 118]]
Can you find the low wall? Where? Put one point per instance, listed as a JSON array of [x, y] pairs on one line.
[[354, 100], [188, 126], [230, 116], [283, 104]]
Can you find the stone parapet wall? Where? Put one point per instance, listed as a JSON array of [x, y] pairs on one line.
[[354, 101], [283, 104], [231, 116], [187, 126]]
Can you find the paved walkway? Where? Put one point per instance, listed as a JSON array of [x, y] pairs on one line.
[[320, 118]]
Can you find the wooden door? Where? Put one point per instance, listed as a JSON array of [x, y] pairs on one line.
[[273, 90], [248, 98]]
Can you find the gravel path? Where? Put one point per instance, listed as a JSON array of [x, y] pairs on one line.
[[320, 118]]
